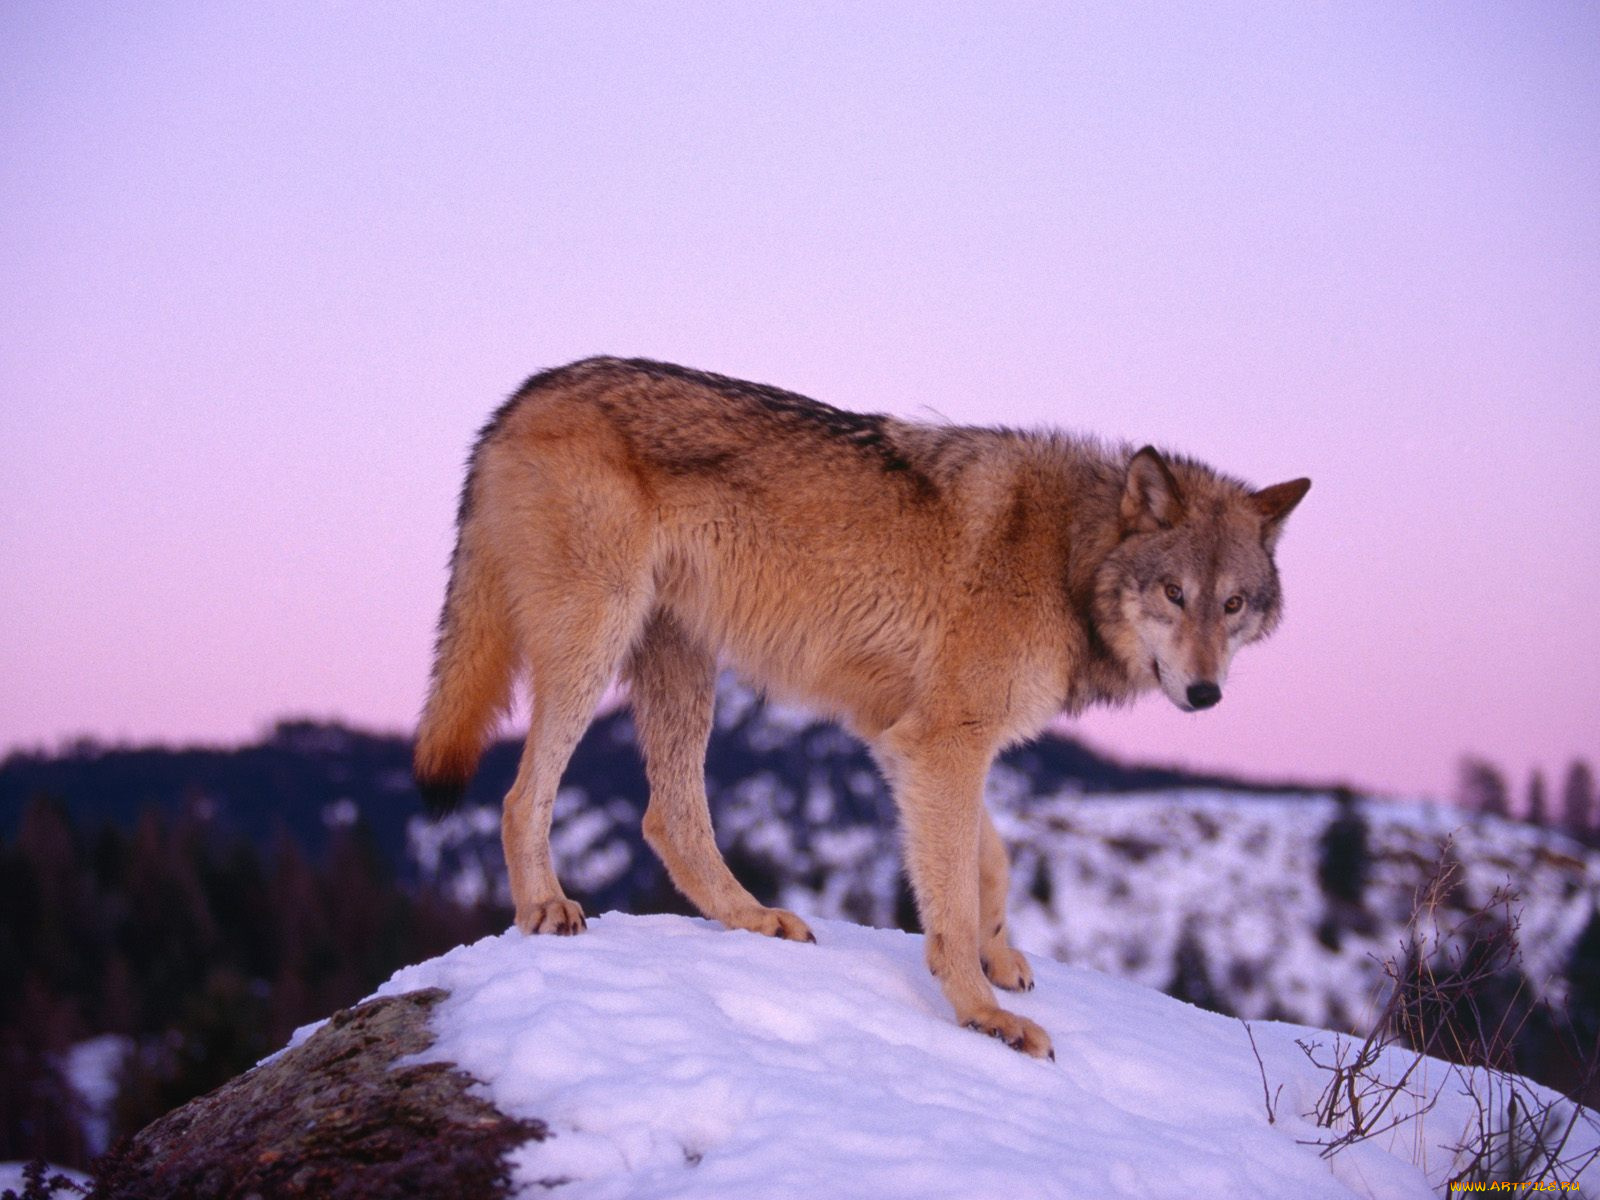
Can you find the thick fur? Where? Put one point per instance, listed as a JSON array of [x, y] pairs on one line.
[[942, 591]]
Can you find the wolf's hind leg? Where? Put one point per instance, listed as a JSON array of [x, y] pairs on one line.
[[1004, 965], [581, 638], [674, 687]]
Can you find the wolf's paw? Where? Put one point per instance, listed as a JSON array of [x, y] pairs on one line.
[[1017, 1032], [552, 916], [773, 922], [1006, 968]]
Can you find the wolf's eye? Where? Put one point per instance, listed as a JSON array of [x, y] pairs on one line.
[[1175, 594], [1232, 604]]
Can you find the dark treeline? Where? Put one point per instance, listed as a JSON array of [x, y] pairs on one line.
[[204, 950], [1575, 810]]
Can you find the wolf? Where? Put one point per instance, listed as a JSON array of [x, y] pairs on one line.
[[942, 591]]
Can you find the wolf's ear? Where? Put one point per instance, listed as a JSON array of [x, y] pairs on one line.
[[1275, 503], [1150, 496]]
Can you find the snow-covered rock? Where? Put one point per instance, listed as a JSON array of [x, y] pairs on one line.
[[334, 1117], [666, 1057]]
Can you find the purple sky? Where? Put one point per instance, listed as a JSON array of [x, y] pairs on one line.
[[268, 267]]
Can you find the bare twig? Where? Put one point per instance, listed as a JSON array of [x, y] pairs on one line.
[[1270, 1097]]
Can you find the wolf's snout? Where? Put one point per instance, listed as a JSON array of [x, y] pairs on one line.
[[1203, 695]]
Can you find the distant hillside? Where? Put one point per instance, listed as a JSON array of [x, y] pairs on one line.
[[298, 777]]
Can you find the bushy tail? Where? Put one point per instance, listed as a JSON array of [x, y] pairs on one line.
[[473, 667]]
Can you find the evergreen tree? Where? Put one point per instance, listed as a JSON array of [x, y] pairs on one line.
[[1583, 981], [39, 1111], [1578, 800], [1482, 788], [1191, 973], [1538, 805], [1343, 863], [1344, 858], [1583, 1004]]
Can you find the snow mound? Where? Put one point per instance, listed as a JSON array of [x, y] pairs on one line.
[[673, 1058]]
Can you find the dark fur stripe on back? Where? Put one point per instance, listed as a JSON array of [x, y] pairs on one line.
[[864, 430]]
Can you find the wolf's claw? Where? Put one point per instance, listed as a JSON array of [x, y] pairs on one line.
[[560, 917], [1017, 1032]]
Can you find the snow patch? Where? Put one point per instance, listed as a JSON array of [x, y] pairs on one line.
[[91, 1068], [11, 1178]]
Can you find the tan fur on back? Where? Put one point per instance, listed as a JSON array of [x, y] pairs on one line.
[[941, 591]]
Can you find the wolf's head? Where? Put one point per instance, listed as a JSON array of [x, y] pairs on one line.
[[1192, 578]]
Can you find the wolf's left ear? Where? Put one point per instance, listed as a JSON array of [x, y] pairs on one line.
[[1275, 503]]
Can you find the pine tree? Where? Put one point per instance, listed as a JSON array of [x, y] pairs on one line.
[[39, 1110], [1583, 983], [1482, 787], [1538, 806], [1191, 973], [1577, 800], [1344, 858]]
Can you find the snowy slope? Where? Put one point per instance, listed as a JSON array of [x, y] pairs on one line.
[[1118, 883], [672, 1058]]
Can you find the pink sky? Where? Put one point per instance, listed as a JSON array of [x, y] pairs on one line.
[[267, 268]]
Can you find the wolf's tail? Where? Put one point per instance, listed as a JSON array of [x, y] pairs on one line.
[[473, 667]]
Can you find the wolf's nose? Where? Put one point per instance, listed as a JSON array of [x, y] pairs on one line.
[[1204, 695]]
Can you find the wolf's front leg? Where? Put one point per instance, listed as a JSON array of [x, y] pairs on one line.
[[938, 786], [1002, 963]]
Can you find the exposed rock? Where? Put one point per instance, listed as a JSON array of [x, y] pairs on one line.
[[332, 1117]]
